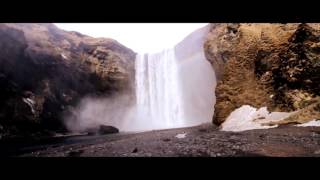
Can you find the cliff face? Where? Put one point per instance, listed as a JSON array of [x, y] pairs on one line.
[[273, 65], [44, 71]]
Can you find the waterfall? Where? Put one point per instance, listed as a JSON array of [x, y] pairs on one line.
[[175, 87], [158, 94]]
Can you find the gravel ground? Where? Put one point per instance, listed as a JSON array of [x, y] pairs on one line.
[[205, 140]]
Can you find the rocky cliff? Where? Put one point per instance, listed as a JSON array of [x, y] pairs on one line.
[[44, 71], [272, 65]]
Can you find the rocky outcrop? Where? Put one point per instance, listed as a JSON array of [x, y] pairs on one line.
[[101, 130], [45, 71], [272, 65]]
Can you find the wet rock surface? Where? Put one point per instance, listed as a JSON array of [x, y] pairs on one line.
[[102, 129], [200, 141]]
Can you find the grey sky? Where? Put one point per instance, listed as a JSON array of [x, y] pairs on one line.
[[140, 37]]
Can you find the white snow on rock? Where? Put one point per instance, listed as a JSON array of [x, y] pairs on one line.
[[180, 136], [64, 56], [247, 117], [314, 122], [30, 103]]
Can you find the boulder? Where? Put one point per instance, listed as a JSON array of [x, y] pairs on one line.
[[103, 129]]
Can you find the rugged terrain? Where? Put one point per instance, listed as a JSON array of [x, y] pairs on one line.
[[45, 71], [201, 141], [272, 65]]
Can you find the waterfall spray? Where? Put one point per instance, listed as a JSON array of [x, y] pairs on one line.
[[173, 88]]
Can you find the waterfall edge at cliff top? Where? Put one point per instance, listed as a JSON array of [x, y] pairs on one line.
[[174, 87]]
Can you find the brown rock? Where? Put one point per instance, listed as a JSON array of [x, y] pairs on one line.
[[55, 69], [254, 62]]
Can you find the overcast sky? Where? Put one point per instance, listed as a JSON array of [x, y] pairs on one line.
[[140, 37]]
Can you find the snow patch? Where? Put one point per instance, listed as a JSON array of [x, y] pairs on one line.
[[64, 56], [314, 122], [30, 103], [247, 117], [180, 136]]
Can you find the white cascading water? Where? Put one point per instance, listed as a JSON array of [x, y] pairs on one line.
[[175, 87], [158, 95]]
